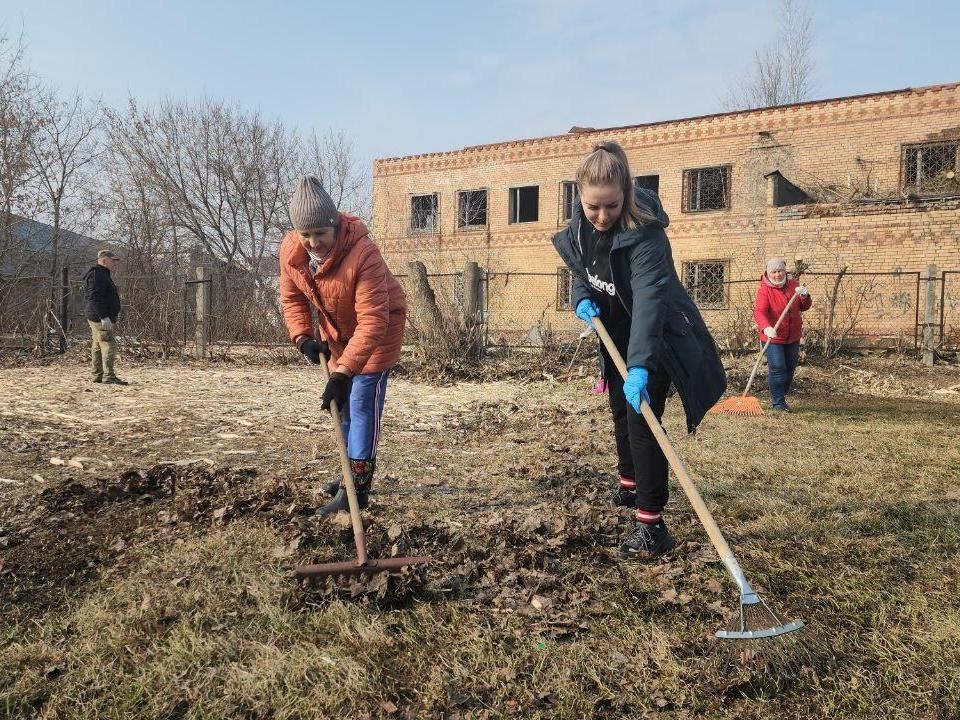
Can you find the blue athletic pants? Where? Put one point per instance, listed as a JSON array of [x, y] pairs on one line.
[[360, 420]]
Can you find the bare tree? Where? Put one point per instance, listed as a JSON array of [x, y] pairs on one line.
[[65, 150], [19, 122], [333, 160], [219, 175], [139, 219], [781, 73]]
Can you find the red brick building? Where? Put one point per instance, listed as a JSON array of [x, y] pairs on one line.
[[868, 182]]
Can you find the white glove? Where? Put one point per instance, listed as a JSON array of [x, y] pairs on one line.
[[770, 332], [802, 291], [106, 324]]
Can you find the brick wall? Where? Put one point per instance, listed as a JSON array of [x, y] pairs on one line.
[[841, 150]]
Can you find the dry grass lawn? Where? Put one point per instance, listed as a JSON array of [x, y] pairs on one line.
[[144, 560]]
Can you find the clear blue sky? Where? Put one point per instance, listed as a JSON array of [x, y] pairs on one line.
[[403, 77]]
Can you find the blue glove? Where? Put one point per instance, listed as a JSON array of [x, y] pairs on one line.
[[587, 309], [635, 386]]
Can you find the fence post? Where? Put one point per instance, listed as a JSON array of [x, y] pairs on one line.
[[930, 317], [64, 306], [202, 328], [471, 305]]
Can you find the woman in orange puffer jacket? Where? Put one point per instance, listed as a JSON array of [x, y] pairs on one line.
[[330, 263]]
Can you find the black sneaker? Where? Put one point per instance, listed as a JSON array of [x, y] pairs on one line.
[[622, 495], [647, 540], [98, 380]]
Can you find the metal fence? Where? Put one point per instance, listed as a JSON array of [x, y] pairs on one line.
[[850, 309], [949, 310], [878, 309]]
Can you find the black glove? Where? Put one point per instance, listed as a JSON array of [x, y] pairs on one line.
[[338, 388], [313, 349]]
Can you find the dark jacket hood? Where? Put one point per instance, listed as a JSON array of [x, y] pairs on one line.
[[648, 200]]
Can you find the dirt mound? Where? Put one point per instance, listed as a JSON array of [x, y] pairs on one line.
[[72, 533]]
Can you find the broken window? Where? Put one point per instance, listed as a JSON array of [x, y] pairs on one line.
[[783, 192], [930, 169], [524, 204], [648, 182], [564, 288], [570, 196], [423, 213], [706, 189], [471, 208], [706, 282]]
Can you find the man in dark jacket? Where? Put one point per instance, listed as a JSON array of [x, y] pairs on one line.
[[102, 308], [627, 278]]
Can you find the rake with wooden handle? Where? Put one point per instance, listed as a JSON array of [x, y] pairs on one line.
[[363, 565], [756, 619], [746, 404]]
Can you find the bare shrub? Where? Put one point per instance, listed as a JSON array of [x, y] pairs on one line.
[[446, 339]]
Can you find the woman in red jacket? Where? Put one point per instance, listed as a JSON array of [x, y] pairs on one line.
[[774, 293]]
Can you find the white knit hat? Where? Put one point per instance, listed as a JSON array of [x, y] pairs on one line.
[[776, 264]]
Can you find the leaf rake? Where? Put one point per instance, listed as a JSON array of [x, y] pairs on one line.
[[364, 565], [756, 620]]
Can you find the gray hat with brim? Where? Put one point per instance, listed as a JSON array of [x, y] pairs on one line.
[[311, 207]]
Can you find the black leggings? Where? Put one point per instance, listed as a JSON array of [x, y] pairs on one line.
[[638, 454]]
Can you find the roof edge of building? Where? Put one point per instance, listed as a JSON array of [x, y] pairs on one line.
[[693, 118]]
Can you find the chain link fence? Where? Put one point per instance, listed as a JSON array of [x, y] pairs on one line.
[[233, 309], [949, 310], [524, 309], [850, 309]]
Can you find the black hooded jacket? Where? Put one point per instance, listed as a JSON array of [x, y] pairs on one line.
[[666, 328], [100, 293]]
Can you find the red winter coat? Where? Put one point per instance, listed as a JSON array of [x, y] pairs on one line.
[[770, 303], [361, 308]]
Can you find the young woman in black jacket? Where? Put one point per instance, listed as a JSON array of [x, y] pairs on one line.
[[622, 266]]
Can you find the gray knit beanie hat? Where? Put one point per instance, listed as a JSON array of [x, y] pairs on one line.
[[311, 207]]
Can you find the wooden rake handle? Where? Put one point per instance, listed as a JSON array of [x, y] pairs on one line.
[[359, 538], [756, 365], [689, 489]]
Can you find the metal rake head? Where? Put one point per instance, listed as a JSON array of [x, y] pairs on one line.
[[757, 621], [345, 571]]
